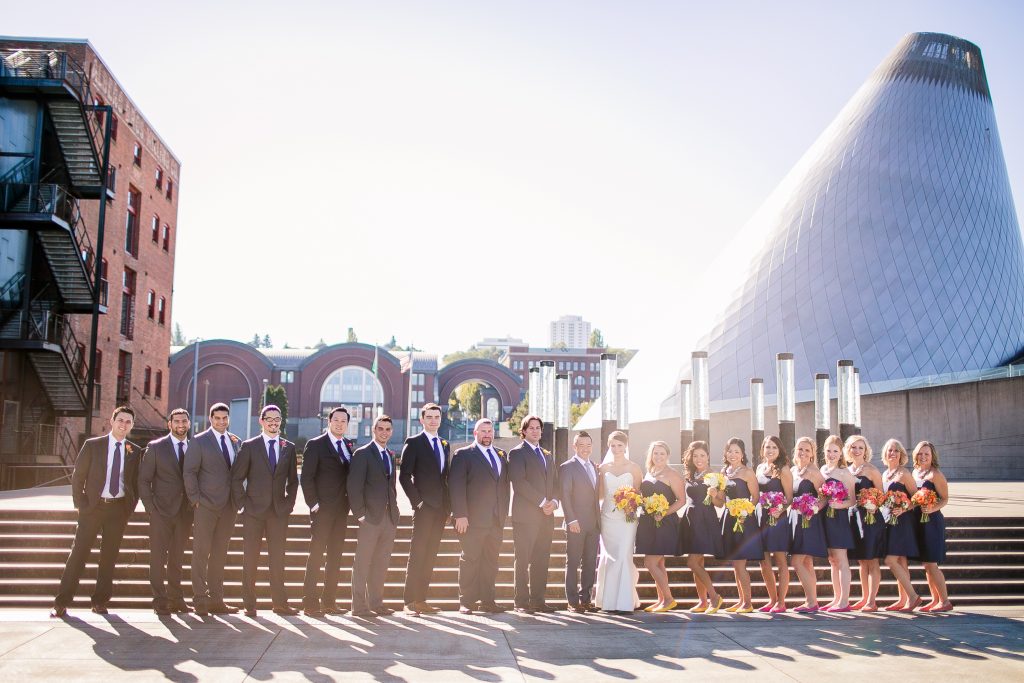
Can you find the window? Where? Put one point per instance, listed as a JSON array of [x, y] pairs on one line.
[[417, 396], [137, 154], [167, 237], [161, 311], [151, 304], [147, 377], [124, 377], [128, 304], [159, 178], [97, 375], [131, 223], [170, 187], [111, 180], [579, 381], [159, 391], [287, 376], [113, 127], [155, 226]]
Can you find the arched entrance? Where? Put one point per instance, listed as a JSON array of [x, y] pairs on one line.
[[356, 389]]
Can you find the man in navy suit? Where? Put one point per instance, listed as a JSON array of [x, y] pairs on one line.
[[325, 465], [425, 481], [578, 478], [104, 488], [478, 484], [533, 474]]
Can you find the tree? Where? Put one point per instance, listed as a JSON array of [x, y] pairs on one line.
[[596, 339], [517, 416], [469, 399], [472, 352], [179, 337], [278, 396], [266, 342], [255, 341], [622, 356], [352, 336], [320, 344], [576, 411], [560, 345], [390, 346]]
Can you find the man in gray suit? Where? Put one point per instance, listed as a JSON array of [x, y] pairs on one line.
[[162, 490], [372, 497], [207, 478], [578, 477], [264, 481]]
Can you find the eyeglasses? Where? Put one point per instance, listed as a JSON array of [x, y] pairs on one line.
[[272, 420]]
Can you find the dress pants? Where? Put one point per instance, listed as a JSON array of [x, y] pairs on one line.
[[533, 558], [478, 565], [211, 534], [253, 531], [581, 549], [108, 519], [373, 550], [427, 527], [328, 533], [167, 538]]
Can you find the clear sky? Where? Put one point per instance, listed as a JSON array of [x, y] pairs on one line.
[[448, 171]]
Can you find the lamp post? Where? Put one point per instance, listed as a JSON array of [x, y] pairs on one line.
[[195, 382], [756, 415], [685, 416], [822, 413], [844, 382], [609, 397], [856, 400], [563, 401], [533, 397], [622, 399], [548, 407], [701, 401], [785, 387]]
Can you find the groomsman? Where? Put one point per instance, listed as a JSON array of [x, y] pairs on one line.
[[325, 465], [373, 496], [264, 482], [533, 473], [162, 490], [207, 478], [424, 478], [479, 489], [578, 478], [104, 488]]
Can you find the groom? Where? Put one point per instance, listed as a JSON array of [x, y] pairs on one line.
[[579, 488]]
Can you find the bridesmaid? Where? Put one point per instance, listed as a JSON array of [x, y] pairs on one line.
[[700, 532], [838, 530], [654, 542], [931, 536], [810, 542], [744, 545], [773, 475], [869, 539], [900, 538]]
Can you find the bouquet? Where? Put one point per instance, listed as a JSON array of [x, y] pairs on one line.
[[775, 503], [629, 500], [806, 506], [835, 492], [714, 480], [739, 508], [896, 501], [870, 499], [923, 498], [656, 504]]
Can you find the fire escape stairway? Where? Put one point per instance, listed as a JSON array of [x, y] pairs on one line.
[[72, 125]]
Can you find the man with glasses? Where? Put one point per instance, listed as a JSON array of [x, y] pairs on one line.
[[264, 481]]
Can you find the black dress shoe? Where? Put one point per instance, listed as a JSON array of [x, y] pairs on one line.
[[181, 608], [334, 609], [222, 608], [590, 607], [99, 609], [314, 612], [543, 608], [162, 611], [58, 612], [492, 608], [364, 614], [286, 611], [578, 609]]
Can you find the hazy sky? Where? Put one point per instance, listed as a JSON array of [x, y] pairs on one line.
[[447, 171]]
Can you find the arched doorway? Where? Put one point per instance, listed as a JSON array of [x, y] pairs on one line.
[[359, 391], [467, 402]]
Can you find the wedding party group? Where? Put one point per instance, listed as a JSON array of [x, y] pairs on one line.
[[198, 487]]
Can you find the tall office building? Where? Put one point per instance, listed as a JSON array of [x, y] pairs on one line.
[[572, 331]]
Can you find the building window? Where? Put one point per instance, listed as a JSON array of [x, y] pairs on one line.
[[167, 237], [112, 180], [137, 154], [417, 396], [113, 127], [151, 304], [170, 188], [147, 377], [159, 391], [159, 178], [131, 223], [156, 229], [128, 304], [98, 373], [287, 376], [579, 380], [124, 377], [161, 311]]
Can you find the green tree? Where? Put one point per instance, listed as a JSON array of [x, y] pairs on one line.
[[320, 344], [517, 416], [596, 339], [352, 335], [179, 336], [622, 356], [472, 352], [255, 341], [267, 344], [278, 396], [391, 345], [468, 397], [576, 411]]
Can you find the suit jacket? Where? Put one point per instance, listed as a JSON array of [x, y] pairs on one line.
[[421, 477], [161, 486], [532, 483], [579, 497], [475, 492], [207, 477], [372, 491], [264, 493], [325, 475], [90, 475]]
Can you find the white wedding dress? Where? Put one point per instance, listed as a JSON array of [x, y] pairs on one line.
[[616, 574]]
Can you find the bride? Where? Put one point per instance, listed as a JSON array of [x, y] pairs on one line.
[[616, 573]]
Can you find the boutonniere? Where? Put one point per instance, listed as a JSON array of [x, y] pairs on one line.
[[501, 453], [444, 443], [128, 448], [545, 451], [234, 439], [283, 443]]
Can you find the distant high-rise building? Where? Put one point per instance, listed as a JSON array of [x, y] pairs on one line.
[[572, 331]]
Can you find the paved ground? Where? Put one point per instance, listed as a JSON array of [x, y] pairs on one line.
[[980, 644]]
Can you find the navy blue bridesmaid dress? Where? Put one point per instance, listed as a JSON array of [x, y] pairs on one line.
[[777, 538], [868, 539], [701, 530], [809, 541], [931, 535], [838, 532], [652, 539], [746, 544], [901, 538]]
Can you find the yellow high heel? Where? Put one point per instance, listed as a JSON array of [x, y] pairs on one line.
[[699, 609], [667, 608], [712, 610]]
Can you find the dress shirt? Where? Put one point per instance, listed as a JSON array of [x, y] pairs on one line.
[[227, 441], [111, 441], [497, 460], [334, 444], [174, 444]]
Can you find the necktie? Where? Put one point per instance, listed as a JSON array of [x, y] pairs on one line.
[[387, 462], [540, 454], [181, 457], [115, 472], [224, 451], [590, 473], [273, 456], [341, 452], [438, 455], [494, 463]]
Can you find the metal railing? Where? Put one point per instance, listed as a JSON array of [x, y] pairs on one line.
[[128, 316], [12, 290], [40, 323]]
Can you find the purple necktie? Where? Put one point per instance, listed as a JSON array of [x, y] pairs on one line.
[[437, 454], [181, 457], [273, 456], [224, 451], [115, 472], [494, 463], [543, 460], [387, 462], [341, 453]]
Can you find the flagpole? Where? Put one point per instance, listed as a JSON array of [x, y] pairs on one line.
[[408, 427]]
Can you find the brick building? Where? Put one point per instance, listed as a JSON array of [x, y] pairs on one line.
[[582, 365]]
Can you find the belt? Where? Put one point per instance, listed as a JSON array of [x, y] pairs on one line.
[[112, 500]]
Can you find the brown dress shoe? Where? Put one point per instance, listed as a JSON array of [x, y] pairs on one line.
[[334, 610], [412, 609], [222, 608]]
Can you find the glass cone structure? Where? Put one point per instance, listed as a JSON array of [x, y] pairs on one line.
[[894, 242]]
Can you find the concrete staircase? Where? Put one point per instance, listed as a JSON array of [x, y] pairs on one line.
[[985, 565]]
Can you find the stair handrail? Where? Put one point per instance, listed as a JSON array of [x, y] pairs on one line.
[[20, 173], [14, 283]]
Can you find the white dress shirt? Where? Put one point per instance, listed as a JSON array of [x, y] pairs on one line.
[[111, 441], [227, 442], [487, 457]]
